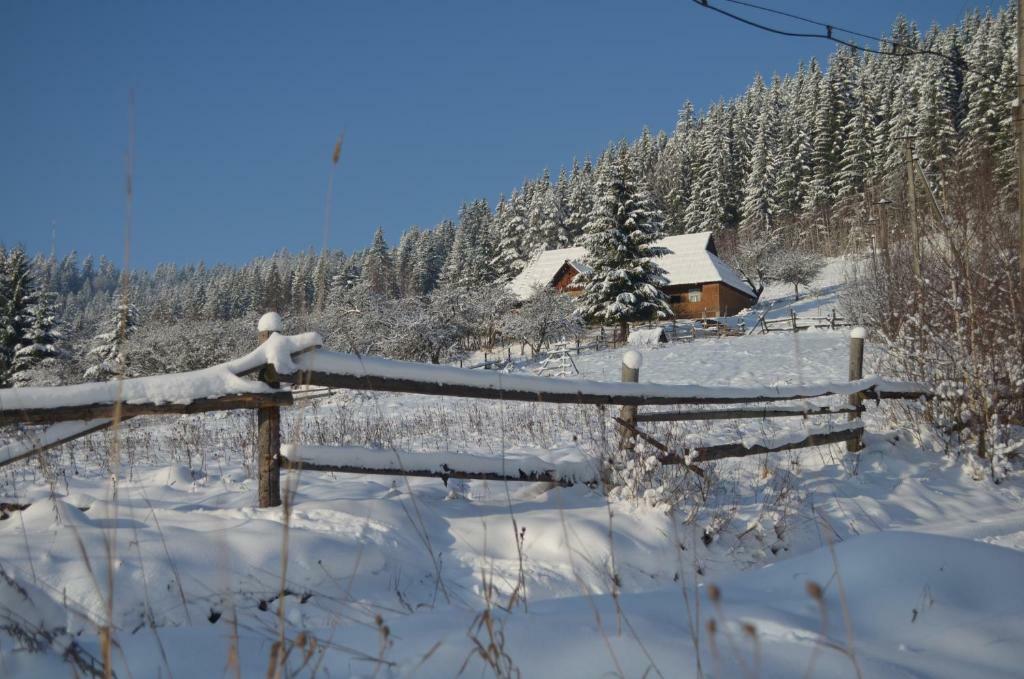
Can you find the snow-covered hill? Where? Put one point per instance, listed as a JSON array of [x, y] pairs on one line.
[[918, 564]]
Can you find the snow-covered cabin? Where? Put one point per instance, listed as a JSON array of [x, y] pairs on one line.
[[700, 285]]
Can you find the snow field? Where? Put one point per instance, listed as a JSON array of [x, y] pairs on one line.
[[927, 558]]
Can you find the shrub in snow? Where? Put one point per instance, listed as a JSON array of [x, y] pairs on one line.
[[796, 268], [958, 327], [753, 256], [636, 475], [159, 347], [547, 315]]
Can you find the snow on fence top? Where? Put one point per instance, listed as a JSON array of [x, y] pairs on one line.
[[347, 371], [179, 388]]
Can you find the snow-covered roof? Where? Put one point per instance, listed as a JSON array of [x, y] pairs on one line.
[[541, 270], [689, 262]]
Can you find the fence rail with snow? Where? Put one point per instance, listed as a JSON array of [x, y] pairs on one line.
[[300, 360]]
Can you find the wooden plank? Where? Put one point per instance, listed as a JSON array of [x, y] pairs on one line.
[[414, 386], [98, 411], [740, 414], [443, 474], [705, 454], [656, 443], [720, 452]]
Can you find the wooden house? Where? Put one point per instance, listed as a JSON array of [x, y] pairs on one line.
[[700, 285]]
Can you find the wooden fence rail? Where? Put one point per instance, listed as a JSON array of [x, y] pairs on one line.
[[97, 411], [346, 371], [300, 360]]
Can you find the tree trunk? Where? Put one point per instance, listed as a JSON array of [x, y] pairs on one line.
[[796, 292], [624, 330]]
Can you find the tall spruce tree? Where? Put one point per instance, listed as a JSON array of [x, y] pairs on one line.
[[108, 357], [623, 283]]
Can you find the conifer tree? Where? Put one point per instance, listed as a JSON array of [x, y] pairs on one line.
[[108, 357], [623, 283], [39, 348], [378, 275]]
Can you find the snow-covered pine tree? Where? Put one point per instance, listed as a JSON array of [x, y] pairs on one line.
[[545, 228], [760, 197], [673, 179], [469, 262], [509, 227], [578, 200], [19, 295], [939, 91], [39, 349], [7, 339], [108, 357], [424, 266], [405, 261], [857, 155], [624, 282], [378, 275], [274, 290]]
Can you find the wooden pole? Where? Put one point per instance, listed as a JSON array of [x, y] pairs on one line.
[[631, 362], [268, 419], [915, 235], [857, 336], [1020, 137], [883, 230]]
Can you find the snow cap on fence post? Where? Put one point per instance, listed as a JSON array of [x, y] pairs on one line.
[[270, 322], [632, 359], [860, 332]]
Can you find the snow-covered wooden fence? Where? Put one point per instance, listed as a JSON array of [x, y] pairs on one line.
[[794, 323], [282, 362]]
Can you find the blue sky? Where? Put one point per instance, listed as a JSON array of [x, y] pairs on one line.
[[238, 105]]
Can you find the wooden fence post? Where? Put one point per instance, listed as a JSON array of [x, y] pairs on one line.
[[792, 319], [631, 362], [268, 437], [857, 336]]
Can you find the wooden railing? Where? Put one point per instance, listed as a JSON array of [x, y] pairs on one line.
[[281, 363]]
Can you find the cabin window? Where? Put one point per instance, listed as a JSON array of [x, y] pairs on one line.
[[693, 296], [675, 299]]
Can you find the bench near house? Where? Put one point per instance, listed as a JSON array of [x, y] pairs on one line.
[[700, 285]]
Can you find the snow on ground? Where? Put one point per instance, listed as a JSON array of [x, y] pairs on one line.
[[919, 564]]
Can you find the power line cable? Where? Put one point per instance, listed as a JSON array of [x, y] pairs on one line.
[[898, 49], [779, 12]]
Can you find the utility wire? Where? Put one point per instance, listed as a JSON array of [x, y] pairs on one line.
[[897, 49], [779, 12]]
